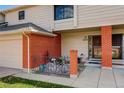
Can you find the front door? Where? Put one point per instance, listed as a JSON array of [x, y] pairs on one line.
[[116, 46]]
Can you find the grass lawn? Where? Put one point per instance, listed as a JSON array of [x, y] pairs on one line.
[[16, 82]]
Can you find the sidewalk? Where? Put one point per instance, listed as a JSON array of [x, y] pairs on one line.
[[91, 77]]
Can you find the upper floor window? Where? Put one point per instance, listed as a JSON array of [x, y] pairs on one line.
[[21, 15], [63, 12]]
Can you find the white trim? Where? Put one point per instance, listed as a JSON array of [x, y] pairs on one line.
[[43, 32], [27, 30], [75, 15], [63, 20], [52, 23], [28, 51], [14, 31], [122, 46]]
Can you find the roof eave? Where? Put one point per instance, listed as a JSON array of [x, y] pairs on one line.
[[27, 30], [42, 32], [16, 8]]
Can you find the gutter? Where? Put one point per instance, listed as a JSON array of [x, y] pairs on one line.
[[28, 51]]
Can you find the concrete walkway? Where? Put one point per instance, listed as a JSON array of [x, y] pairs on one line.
[[8, 71], [88, 78], [107, 79], [91, 77]]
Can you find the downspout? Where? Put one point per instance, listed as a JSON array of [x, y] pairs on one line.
[[28, 45]]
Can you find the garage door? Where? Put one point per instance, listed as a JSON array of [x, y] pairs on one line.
[[11, 53]]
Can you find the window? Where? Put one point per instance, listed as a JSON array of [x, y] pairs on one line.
[[63, 12], [21, 15]]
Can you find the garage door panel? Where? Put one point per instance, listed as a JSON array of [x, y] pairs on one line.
[[11, 53]]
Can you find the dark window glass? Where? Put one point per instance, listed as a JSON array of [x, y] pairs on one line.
[[21, 15], [63, 12]]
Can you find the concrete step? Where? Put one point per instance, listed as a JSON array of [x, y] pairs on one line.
[[98, 61], [118, 62], [99, 65], [118, 66], [93, 61], [93, 65]]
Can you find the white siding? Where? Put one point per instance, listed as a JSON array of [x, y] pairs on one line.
[[39, 15], [75, 40], [1, 18], [87, 16], [64, 24], [94, 16], [90, 16]]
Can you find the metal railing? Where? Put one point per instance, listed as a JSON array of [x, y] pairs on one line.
[[57, 66]]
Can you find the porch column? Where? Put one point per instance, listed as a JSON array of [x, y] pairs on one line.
[[73, 63], [106, 37]]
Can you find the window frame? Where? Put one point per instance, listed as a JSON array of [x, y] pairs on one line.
[[21, 16], [63, 12]]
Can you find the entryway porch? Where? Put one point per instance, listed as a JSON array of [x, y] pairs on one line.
[[77, 42], [95, 50]]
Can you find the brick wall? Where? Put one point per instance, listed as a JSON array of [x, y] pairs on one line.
[[106, 33], [40, 47], [73, 62]]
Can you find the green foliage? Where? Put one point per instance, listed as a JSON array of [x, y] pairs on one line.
[[16, 82]]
